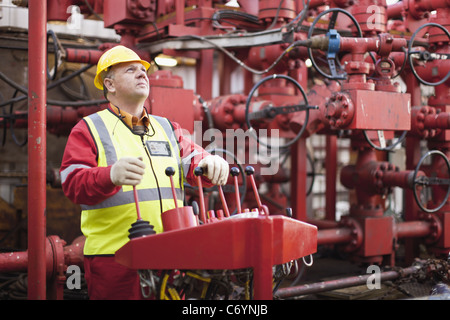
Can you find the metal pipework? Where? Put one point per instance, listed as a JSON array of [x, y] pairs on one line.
[[347, 233], [383, 44], [37, 148], [342, 283], [427, 121], [57, 256], [376, 177]]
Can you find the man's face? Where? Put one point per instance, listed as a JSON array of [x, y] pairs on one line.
[[130, 81]]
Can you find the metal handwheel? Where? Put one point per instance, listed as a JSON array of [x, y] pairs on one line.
[[382, 141], [333, 62], [272, 112], [427, 56], [431, 181]]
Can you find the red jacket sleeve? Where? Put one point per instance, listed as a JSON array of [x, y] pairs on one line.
[[191, 155], [83, 182]]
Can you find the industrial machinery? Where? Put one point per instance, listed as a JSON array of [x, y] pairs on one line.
[[334, 104]]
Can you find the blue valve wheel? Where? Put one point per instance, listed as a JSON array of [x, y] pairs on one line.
[[333, 47]]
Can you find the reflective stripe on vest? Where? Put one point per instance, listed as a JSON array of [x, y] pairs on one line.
[[106, 224], [111, 157]]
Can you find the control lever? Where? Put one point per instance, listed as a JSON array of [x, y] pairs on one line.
[[235, 172], [170, 172], [249, 170], [224, 202], [196, 211], [140, 228], [289, 212], [199, 172]]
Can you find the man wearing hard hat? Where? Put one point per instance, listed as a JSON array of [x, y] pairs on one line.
[[109, 152]]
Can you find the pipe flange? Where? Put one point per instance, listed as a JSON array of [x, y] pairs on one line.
[[141, 9], [435, 227], [419, 115], [356, 232], [57, 249], [339, 111]]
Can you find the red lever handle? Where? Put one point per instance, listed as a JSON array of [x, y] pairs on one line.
[[136, 201], [170, 172], [198, 172], [235, 172]]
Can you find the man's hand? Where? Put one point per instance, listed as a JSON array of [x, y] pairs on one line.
[[127, 171], [215, 168]]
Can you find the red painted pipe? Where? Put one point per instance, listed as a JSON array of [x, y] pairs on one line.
[[37, 148], [413, 229], [72, 255], [83, 55], [408, 229], [331, 177], [334, 236]]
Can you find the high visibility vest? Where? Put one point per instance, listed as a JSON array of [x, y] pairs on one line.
[[106, 224]]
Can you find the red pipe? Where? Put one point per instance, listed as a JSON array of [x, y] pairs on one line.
[[330, 178], [72, 255], [395, 10], [83, 55], [413, 229], [334, 236], [408, 229], [37, 148]]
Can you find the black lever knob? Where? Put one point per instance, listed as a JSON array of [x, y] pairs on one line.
[[249, 170], [289, 212], [195, 208], [170, 171], [234, 171], [198, 171]]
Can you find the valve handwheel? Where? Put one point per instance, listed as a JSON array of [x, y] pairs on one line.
[[427, 56], [431, 181], [382, 140], [332, 60], [51, 74], [272, 112]]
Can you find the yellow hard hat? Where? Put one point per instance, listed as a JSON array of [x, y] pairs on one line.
[[114, 56]]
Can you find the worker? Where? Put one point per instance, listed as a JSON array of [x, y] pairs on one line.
[[109, 152]]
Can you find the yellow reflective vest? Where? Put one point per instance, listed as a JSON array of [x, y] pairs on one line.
[[106, 224]]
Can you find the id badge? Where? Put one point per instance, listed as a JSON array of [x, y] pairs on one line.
[[159, 148]]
